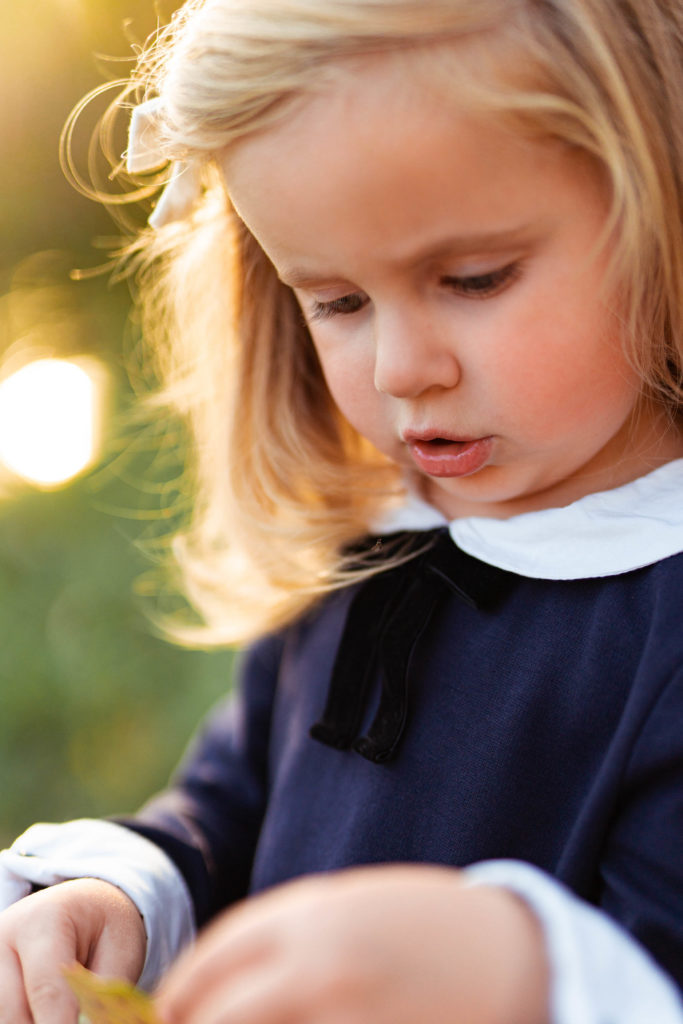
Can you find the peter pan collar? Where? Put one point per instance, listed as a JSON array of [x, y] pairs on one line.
[[602, 534]]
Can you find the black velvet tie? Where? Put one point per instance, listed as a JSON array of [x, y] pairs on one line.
[[386, 618]]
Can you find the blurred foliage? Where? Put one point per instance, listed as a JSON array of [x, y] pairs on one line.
[[109, 1002], [94, 707]]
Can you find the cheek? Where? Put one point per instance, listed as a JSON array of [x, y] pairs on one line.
[[349, 378], [555, 371]]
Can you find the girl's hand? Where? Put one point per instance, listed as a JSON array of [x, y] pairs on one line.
[[86, 920], [391, 945]]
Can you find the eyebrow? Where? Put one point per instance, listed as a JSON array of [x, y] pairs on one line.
[[460, 245]]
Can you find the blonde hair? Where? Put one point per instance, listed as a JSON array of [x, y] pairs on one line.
[[282, 483]]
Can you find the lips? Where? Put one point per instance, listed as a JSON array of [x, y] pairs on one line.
[[440, 456]]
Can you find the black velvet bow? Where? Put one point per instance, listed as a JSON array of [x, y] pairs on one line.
[[386, 618]]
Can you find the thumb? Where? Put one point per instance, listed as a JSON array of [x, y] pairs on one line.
[[90, 922], [48, 995]]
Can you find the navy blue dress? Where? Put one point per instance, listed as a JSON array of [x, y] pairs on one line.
[[461, 713]]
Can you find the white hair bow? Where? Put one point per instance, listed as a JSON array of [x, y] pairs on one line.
[[145, 154]]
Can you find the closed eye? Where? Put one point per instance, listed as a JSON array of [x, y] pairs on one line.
[[475, 286], [482, 286], [344, 305]]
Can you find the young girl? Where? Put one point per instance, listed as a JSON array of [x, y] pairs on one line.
[[419, 274]]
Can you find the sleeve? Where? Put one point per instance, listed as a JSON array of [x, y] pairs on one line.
[[188, 852], [621, 960], [48, 854], [598, 973], [208, 821]]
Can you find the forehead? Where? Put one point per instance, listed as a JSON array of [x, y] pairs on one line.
[[393, 155], [374, 100]]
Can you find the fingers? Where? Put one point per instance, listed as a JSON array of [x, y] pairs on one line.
[[42, 952], [34, 990], [262, 994], [258, 964], [251, 933], [50, 1000], [14, 1008], [339, 948], [87, 921], [209, 966]]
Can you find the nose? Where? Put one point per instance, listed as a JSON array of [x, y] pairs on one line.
[[411, 355]]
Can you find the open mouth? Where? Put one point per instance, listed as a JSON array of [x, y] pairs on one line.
[[444, 457]]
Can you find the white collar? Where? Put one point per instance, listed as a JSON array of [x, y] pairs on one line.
[[602, 534]]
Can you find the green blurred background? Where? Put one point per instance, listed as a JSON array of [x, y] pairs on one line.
[[94, 708]]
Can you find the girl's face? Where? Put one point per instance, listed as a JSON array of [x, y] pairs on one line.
[[449, 276]]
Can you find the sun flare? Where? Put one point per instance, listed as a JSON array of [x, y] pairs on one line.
[[49, 412]]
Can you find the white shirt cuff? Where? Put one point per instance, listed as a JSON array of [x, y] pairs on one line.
[[599, 973], [88, 848]]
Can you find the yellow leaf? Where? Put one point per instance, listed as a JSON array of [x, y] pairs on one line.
[[109, 1002]]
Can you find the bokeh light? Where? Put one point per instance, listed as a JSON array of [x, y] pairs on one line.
[[94, 706], [49, 414]]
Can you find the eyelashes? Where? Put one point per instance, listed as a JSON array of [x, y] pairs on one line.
[[475, 286], [344, 306], [483, 285]]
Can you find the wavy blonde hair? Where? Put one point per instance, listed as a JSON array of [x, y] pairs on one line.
[[282, 482]]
